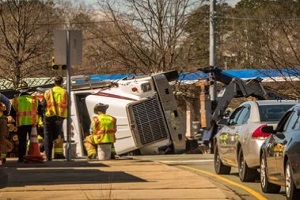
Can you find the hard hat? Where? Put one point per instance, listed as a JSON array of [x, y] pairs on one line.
[[22, 84], [23, 87], [58, 80], [100, 107]]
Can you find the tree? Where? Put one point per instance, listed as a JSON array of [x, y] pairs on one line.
[[198, 29], [144, 36], [254, 34], [26, 29], [269, 34]]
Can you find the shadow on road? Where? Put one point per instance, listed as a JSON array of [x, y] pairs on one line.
[[63, 172]]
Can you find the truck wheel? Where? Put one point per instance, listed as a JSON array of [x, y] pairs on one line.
[[246, 174], [265, 185], [292, 193], [220, 168]]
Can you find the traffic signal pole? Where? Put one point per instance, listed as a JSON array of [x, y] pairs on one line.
[[68, 52], [68, 71]]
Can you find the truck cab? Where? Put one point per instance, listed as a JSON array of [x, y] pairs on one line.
[[148, 119]]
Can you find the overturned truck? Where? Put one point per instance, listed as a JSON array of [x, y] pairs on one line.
[[148, 119]]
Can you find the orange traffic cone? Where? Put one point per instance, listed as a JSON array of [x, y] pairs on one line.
[[34, 154]]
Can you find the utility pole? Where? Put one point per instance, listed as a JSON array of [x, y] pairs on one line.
[[68, 56], [212, 48], [68, 51]]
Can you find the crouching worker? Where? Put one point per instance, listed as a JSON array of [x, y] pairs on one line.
[[103, 130]]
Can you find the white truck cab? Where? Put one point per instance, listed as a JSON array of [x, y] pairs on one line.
[[148, 119]]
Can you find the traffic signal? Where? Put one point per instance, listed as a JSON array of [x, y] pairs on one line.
[[57, 67]]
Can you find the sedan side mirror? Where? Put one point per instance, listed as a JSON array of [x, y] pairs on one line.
[[267, 129], [222, 121]]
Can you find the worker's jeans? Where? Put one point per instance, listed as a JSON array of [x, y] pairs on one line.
[[24, 133], [52, 128]]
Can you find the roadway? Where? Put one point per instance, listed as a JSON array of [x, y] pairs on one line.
[[203, 164], [124, 178], [128, 179]]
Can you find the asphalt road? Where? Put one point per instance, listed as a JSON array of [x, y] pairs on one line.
[[203, 164]]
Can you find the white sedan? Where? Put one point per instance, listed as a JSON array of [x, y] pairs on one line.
[[237, 143]]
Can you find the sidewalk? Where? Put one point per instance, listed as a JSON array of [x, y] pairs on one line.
[[113, 179]]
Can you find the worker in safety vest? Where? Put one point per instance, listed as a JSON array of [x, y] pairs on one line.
[[5, 107], [103, 130], [55, 103], [25, 110]]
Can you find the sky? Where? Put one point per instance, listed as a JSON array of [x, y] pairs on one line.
[[232, 2]]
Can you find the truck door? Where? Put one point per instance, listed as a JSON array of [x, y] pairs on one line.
[[80, 120]]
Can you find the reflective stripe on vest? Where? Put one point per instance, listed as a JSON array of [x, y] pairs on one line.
[[104, 129], [56, 99], [26, 110], [58, 150]]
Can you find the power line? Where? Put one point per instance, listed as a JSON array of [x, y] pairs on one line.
[[259, 18]]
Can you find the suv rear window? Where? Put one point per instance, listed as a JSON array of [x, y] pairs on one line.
[[272, 112]]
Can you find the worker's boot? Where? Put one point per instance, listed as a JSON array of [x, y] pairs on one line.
[[92, 157], [59, 156]]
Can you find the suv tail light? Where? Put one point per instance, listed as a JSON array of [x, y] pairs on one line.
[[258, 134]]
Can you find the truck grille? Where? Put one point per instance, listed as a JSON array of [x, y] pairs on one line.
[[149, 120]]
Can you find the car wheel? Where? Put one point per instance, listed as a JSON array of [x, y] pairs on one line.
[[265, 185], [292, 193], [246, 174], [220, 168]]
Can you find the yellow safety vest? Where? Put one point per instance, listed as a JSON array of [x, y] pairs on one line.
[[26, 107], [57, 102], [104, 129]]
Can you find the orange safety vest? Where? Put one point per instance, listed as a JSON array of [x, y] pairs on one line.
[[104, 129], [26, 107], [57, 102]]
